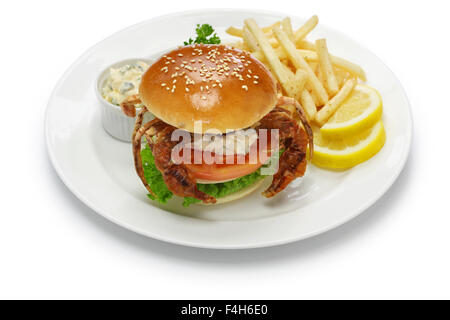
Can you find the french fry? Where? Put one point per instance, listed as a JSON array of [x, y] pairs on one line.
[[303, 31], [326, 67], [300, 80], [296, 83], [313, 65], [268, 29], [271, 57], [331, 106], [341, 76], [234, 31], [240, 32], [348, 66], [315, 99], [239, 45], [259, 55], [274, 43], [287, 27], [300, 63], [290, 86], [280, 52], [306, 45], [351, 67], [319, 74], [308, 104], [251, 42]]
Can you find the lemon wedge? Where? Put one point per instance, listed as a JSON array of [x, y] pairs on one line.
[[344, 153], [359, 112]]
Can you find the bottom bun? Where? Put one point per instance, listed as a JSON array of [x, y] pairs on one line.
[[237, 195]]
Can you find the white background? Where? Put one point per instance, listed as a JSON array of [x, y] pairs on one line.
[[52, 246]]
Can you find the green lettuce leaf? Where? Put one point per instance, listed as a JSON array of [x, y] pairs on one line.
[[217, 190], [220, 190], [154, 177]]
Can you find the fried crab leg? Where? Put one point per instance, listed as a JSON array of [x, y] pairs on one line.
[[176, 176], [285, 101], [138, 133], [128, 106], [294, 141]]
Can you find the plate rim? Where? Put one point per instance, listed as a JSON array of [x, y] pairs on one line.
[[256, 244]]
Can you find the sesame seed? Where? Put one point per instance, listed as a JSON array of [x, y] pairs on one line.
[[163, 84], [249, 71], [245, 87], [256, 77], [180, 54], [255, 82], [203, 98], [174, 81], [220, 85], [187, 89]]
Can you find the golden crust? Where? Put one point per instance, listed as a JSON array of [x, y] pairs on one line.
[[223, 87]]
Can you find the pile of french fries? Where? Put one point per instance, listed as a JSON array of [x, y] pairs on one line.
[[319, 81]]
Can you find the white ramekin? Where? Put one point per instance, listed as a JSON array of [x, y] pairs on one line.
[[117, 124]]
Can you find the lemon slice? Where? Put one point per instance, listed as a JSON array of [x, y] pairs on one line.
[[344, 153], [359, 112]]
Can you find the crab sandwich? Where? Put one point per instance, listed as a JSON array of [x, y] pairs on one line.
[[217, 92]]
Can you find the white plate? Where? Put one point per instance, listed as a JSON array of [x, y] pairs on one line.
[[99, 169]]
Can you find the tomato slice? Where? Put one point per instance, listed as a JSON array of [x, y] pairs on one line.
[[222, 172], [232, 170]]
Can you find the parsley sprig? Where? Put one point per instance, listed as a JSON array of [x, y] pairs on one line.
[[205, 34]]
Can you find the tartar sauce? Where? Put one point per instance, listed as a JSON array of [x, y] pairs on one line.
[[123, 82]]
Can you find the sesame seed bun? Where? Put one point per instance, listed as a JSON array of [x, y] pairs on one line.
[[223, 87]]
